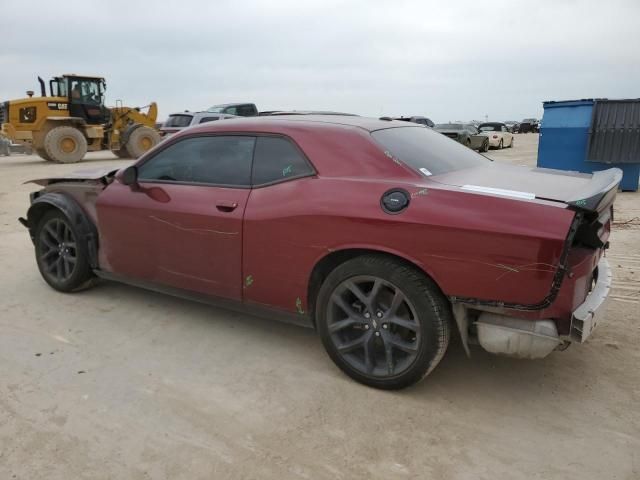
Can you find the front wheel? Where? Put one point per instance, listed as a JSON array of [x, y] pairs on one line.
[[384, 323], [62, 259], [511, 144], [485, 146]]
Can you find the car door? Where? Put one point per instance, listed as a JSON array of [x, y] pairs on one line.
[[476, 140], [274, 221], [508, 136], [181, 226]]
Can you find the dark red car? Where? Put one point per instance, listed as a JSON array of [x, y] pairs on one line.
[[382, 235]]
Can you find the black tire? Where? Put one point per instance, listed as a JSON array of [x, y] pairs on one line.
[[141, 140], [43, 155], [122, 153], [485, 146], [468, 142], [63, 261], [65, 144], [501, 144], [511, 144], [400, 345]]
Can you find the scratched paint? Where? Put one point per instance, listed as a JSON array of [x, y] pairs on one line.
[[419, 193], [506, 269], [248, 281], [186, 275], [390, 155], [288, 170], [299, 308], [192, 230]]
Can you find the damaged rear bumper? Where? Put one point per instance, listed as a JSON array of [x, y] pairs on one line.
[[521, 338], [586, 317]]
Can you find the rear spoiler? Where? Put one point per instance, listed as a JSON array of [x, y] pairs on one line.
[[599, 192]]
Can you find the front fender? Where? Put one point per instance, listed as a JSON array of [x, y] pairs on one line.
[[83, 226]]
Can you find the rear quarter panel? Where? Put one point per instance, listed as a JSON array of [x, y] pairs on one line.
[[472, 245]]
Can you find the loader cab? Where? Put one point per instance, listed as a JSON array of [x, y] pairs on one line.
[[85, 96]]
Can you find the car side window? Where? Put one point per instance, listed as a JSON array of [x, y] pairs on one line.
[[208, 119], [246, 110], [213, 160], [231, 111], [277, 159]]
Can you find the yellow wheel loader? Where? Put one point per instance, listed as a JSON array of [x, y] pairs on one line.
[[72, 119]]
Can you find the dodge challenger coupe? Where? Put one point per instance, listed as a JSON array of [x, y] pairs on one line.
[[382, 235]]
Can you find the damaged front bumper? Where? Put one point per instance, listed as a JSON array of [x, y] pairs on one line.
[[593, 309]]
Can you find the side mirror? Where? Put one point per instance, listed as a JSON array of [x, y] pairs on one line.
[[130, 176]]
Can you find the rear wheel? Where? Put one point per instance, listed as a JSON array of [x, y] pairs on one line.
[[511, 144], [43, 155], [385, 324], [485, 146], [501, 144], [62, 260], [65, 144], [141, 140]]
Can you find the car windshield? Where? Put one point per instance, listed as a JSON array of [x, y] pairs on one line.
[[178, 121], [424, 149], [449, 126], [490, 128]]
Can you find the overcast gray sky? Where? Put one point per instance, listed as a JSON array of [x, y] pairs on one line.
[[446, 60]]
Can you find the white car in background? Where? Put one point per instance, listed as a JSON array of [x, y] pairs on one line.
[[498, 134], [178, 121]]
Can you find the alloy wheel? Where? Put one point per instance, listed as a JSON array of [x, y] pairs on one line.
[[373, 326], [58, 250]]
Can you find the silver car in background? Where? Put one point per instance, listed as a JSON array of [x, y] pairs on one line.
[[464, 133]]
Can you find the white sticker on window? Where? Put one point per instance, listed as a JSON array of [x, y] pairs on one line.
[[426, 172]]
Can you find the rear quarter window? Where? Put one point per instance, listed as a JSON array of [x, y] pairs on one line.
[[278, 159], [420, 147], [208, 119]]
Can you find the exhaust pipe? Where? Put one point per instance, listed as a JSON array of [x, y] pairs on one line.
[[43, 90]]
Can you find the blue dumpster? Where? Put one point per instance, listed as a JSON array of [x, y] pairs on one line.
[[591, 135]]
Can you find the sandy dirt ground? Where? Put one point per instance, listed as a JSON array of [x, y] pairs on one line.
[[120, 383]]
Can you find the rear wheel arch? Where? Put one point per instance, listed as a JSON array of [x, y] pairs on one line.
[[325, 265], [75, 214]]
